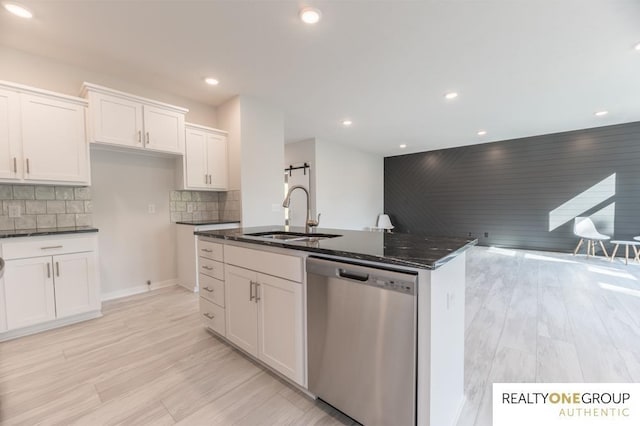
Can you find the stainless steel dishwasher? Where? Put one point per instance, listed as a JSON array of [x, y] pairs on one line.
[[361, 330]]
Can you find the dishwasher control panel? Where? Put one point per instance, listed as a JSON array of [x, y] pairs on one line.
[[397, 285]]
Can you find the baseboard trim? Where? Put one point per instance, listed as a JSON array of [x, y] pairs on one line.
[[49, 325], [131, 291]]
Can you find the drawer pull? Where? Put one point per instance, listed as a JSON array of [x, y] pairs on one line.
[[207, 250], [48, 270], [208, 268], [208, 315], [57, 269], [50, 247], [15, 165], [209, 289]]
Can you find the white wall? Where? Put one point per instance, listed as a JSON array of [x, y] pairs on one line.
[[135, 246], [228, 115], [256, 141], [44, 73], [349, 186], [297, 154], [262, 163]]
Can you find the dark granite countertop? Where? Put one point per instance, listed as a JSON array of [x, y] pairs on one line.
[[413, 250], [46, 231], [206, 222]]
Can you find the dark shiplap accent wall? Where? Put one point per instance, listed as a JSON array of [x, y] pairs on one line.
[[509, 188]]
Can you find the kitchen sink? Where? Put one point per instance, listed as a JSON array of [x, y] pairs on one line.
[[290, 236]]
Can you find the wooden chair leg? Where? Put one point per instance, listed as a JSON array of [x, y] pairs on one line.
[[604, 250], [578, 246], [615, 250]]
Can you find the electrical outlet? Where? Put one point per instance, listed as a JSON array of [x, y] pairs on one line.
[[486, 235], [14, 211], [152, 208], [189, 208]]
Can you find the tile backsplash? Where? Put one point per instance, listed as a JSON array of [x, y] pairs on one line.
[[44, 207], [204, 205]]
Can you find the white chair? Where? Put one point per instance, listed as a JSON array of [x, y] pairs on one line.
[[584, 228]]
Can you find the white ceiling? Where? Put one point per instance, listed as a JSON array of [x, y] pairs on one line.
[[521, 67]]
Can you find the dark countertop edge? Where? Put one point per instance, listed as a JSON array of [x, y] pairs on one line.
[[205, 222], [340, 253], [44, 232]]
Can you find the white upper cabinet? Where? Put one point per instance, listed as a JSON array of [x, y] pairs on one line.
[[115, 120], [164, 129], [204, 164], [53, 140], [121, 119], [9, 134], [42, 137]]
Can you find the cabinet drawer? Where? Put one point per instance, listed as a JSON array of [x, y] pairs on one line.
[[45, 247], [212, 289], [210, 250], [211, 268], [279, 265], [212, 316]]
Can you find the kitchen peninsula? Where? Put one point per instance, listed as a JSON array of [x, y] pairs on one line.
[[268, 275]]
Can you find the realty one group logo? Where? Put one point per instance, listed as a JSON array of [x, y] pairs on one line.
[[573, 404]]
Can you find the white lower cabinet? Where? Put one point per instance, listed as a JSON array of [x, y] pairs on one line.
[[265, 318], [241, 309], [29, 293], [45, 291]]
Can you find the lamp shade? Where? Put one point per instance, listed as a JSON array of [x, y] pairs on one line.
[[384, 222]]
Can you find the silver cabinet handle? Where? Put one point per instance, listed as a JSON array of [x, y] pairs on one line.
[[147, 138], [208, 315], [205, 179], [139, 136], [57, 269], [208, 268], [251, 296], [207, 250], [28, 166], [50, 247], [48, 270], [15, 165], [257, 298], [209, 289]]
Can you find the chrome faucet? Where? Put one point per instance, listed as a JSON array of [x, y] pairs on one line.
[[310, 223]]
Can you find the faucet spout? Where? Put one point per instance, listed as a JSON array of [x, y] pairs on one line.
[[287, 202]]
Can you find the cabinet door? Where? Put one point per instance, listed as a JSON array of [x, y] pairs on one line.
[[164, 130], [280, 320], [3, 306], [115, 120], [53, 140], [196, 159], [75, 284], [217, 160], [241, 309], [10, 153], [29, 295]]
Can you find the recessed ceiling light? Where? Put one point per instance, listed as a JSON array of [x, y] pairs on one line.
[[347, 123], [451, 95], [403, 145], [211, 81], [482, 132], [601, 113], [18, 10], [310, 15]]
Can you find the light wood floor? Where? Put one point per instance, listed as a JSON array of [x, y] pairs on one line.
[[530, 316]]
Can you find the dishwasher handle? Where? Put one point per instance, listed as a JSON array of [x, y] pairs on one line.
[[344, 273]]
